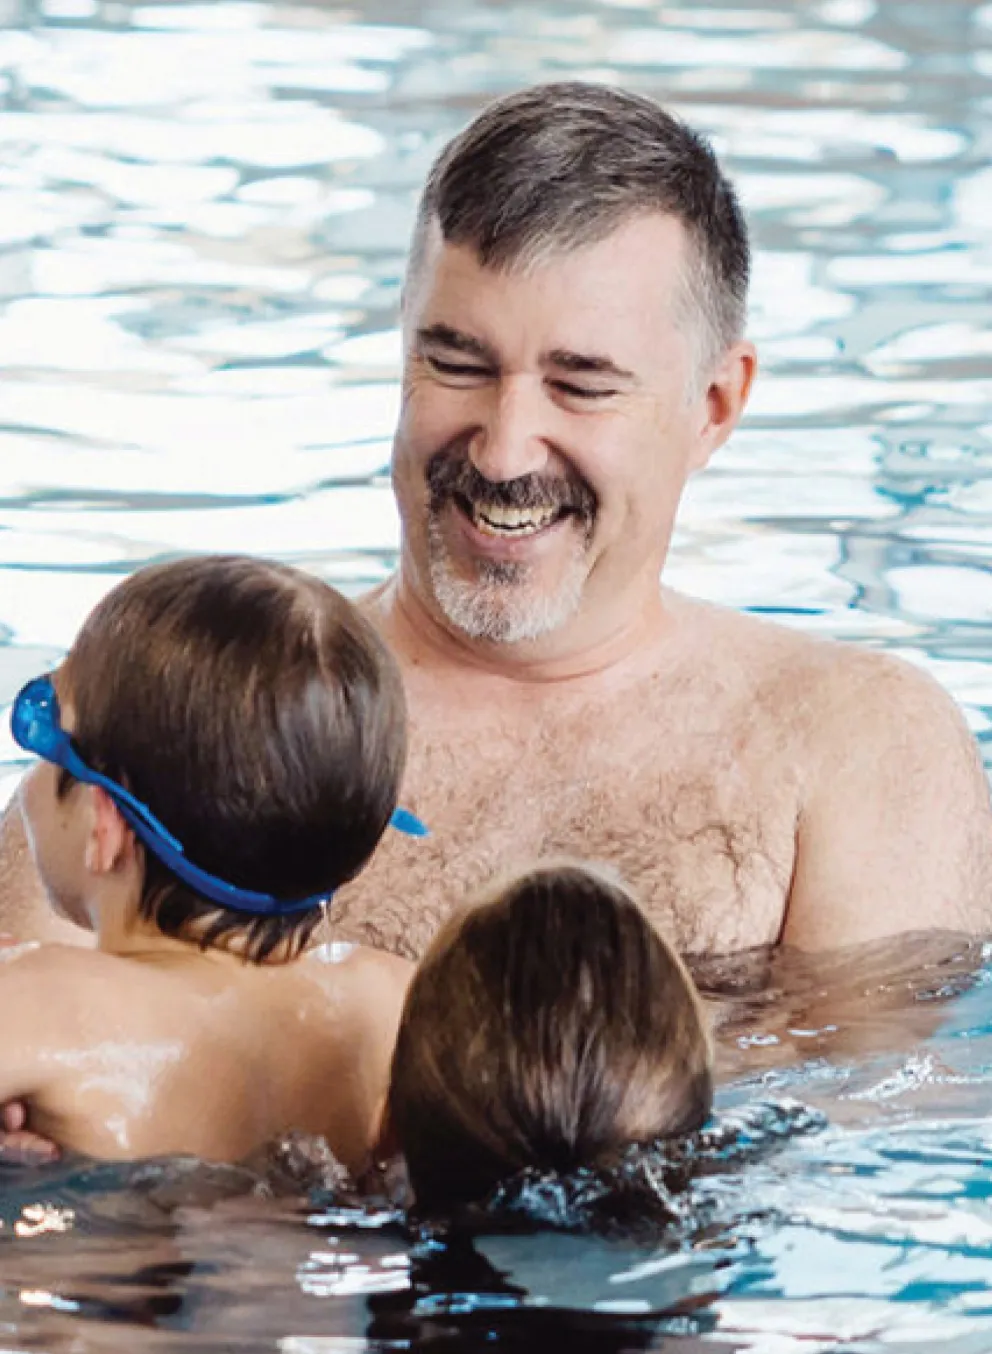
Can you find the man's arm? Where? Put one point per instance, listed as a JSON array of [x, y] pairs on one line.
[[25, 913], [895, 833]]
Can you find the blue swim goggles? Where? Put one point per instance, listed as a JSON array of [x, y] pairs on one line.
[[35, 724]]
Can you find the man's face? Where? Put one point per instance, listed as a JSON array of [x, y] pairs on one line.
[[547, 430]]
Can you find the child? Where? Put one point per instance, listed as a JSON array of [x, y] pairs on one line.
[[223, 749], [550, 1027]]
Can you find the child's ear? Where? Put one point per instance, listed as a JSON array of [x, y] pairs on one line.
[[109, 840]]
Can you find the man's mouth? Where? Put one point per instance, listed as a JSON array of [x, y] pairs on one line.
[[493, 519], [511, 510]]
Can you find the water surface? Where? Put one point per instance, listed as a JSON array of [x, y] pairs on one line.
[[203, 216]]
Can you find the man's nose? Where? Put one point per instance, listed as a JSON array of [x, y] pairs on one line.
[[511, 441]]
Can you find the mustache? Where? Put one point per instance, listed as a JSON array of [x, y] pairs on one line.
[[451, 475]]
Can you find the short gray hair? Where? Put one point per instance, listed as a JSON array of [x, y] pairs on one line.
[[562, 165]]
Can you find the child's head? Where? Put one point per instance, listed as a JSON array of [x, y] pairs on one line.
[[549, 1027], [258, 716]]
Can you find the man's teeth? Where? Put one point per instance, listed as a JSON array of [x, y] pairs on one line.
[[493, 520]]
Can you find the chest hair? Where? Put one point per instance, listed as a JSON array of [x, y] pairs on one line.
[[697, 814]]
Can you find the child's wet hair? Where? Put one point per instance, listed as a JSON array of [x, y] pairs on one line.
[[259, 716], [549, 1027]]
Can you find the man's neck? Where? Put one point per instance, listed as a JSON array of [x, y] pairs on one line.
[[580, 652]]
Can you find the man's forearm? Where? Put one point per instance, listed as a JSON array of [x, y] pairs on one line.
[[25, 913]]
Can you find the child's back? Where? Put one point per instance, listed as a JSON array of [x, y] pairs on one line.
[[146, 1054], [227, 753]]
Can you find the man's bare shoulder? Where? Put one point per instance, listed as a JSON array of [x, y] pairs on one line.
[[843, 713], [370, 603], [894, 824], [813, 676], [848, 693]]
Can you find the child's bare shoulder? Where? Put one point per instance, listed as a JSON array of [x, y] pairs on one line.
[[31, 975], [366, 989], [80, 969], [30, 959], [361, 971]]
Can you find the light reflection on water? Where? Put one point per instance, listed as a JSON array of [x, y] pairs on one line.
[[203, 216]]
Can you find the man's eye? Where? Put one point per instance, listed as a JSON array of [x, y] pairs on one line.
[[582, 392], [466, 370]]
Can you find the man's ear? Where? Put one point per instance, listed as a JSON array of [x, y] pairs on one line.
[[726, 396], [109, 841]]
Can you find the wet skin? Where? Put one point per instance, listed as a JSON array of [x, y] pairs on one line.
[[140, 1051], [147, 1044], [755, 785]]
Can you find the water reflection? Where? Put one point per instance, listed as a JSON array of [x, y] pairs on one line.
[[845, 1188], [204, 216], [472, 1293]]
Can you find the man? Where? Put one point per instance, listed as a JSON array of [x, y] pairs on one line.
[[573, 322]]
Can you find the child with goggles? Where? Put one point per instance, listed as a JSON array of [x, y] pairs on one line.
[[221, 750]]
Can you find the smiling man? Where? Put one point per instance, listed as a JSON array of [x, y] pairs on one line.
[[573, 330], [573, 338]]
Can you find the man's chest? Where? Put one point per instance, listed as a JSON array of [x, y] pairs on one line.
[[701, 824]]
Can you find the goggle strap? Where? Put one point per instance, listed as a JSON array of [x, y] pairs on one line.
[[405, 821], [36, 727], [121, 797], [207, 885]]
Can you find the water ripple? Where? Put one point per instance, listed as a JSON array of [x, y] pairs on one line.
[[205, 209]]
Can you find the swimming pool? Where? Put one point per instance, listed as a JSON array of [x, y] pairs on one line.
[[203, 214]]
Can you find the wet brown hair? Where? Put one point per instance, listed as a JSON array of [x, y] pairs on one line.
[[259, 716], [562, 165], [551, 1027]]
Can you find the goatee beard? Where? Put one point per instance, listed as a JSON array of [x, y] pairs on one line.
[[501, 603]]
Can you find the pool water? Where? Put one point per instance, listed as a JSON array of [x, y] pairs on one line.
[[850, 1210], [203, 215]]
